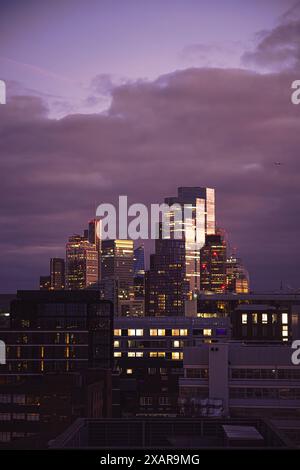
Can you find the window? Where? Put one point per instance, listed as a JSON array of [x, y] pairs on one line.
[[129, 371], [144, 401], [117, 332], [161, 354], [4, 416], [116, 344], [20, 399], [131, 354], [264, 318], [153, 332], [18, 416], [161, 332], [5, 436], [139, 332], [183, 332], [33, 417], [5, 398], [285, 330], [153, 354], [117, 354], [207, 332], [254, 317], [164, 401], [175, 332], [131, 332], [244, 318], [176, 344], [177, 356], [139, 354], [284, 318]]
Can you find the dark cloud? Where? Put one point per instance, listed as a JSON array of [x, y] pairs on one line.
[[213, 127], [279, 49]]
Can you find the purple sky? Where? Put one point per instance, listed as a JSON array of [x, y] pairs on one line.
[[137, 98]]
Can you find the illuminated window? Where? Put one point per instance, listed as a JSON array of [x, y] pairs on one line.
[[117, 354], [139, 332], [139, 354], [274, 317], [129, 371], [244, 318], [176, 356], [264, 318], [254, 317], [153, 332], [161, 354], [175, 332], [118, 332], [116, 344], [176, 344], [285, 330], [183, 332], [161, 332], [131, 332], [153, 354], [284, 318], [131, 354], [207, 332]]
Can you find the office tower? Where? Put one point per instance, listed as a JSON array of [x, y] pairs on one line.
[[237, 278], [94, 234], [117, 271], [213, 264], [175, 273], [81, 264], [57, 273], [45, 282], [139, 272]]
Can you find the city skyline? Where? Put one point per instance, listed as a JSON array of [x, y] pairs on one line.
[[222, 118]]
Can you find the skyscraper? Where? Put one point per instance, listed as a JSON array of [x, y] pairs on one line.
[[81, 264], [117, 271], [213, 264], [139, 272], [237, 277], [175, 269], [94, 232], [57, 273]]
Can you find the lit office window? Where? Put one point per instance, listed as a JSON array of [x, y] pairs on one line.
[[116, 344], [183, 332], [129, 371], [254, 317], [176, 344], [176, 356], [131, 354], [117, 354], [117, 332], [161, 332], [175, 332], [139, 332], [264, 318], [207, 332], [285, 330], [131, 332], [153, 332], [244, 318], [284, 318], [139, 354], [153, 354], [161, 354]]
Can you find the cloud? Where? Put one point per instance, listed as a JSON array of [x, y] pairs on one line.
[[279, 48], [211, 127]]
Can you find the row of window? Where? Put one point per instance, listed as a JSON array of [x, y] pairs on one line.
[[163, 332], [266, 393], [281, 374], [19, 416], [264, 318], [148, 401], [175, 356], [18, 399]]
